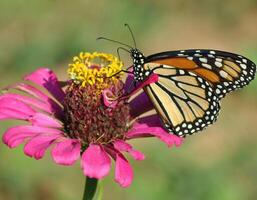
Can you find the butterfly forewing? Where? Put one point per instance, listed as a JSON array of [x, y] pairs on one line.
[[224, 71], [186, 102]]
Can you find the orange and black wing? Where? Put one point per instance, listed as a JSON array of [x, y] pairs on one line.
[[223, 70], [191, 83]]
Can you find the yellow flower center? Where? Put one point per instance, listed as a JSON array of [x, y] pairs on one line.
[[94, 69]]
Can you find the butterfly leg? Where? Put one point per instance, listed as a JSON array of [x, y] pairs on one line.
[[129, 72], [125, 71]]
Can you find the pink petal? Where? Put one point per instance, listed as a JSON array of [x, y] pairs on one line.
[[123, 171], [47, 78], [13, 109], [7, 102], [31, 90], [40, 119], [38, 145], [66, 152], [52, 106], [140, 104], [121, 145], [16, 135], [95, 162], [150, 126], [27, 100], [7, 113], [3, 116]]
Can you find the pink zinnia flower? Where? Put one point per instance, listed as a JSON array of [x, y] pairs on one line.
[[83, 119]]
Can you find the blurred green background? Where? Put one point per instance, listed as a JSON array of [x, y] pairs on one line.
[[220, 163]]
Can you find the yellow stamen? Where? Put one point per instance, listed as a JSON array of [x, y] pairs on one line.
[[94, 68]]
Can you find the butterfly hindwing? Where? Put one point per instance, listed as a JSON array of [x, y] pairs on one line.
[[186, 102]]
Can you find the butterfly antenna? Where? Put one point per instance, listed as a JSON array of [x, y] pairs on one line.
[[121, 48], [131, 34], [104, 38]]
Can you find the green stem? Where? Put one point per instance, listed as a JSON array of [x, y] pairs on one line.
[[90, 188]]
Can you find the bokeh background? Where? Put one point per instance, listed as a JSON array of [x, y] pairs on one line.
[[220, 163]]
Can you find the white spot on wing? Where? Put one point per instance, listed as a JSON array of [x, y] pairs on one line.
[[204, 60], [223, 74], [197, 55], [226, 84], [147, 73], [244, 60], [218, 64], [206, 65], [243, 66], [191, 73], [181, 72], [180, 54], [218, 91], [211, 56]]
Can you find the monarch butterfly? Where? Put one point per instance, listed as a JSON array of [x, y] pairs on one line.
[[190, 83]]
